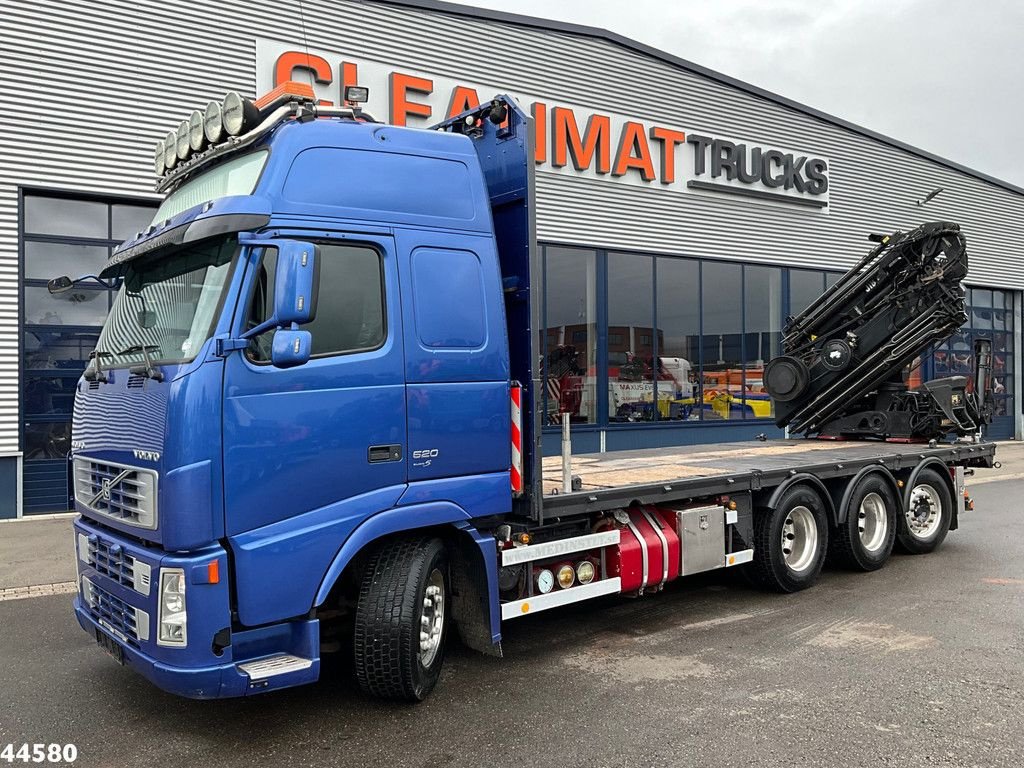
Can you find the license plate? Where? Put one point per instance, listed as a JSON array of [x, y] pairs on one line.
[[110, 645]]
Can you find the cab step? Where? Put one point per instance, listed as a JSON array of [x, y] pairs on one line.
[[271, 666]]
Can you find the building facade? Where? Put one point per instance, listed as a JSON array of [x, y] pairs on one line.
[[683, 215]]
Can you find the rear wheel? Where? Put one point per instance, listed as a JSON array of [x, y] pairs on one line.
[[402, 619], [864, 540], [790, 542], [925, 522]]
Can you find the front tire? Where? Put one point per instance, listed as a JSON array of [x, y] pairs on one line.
[[863, 542], [401, 620], [925, 521], [790, 542]]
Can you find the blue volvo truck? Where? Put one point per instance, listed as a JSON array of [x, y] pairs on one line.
[[312, 421]]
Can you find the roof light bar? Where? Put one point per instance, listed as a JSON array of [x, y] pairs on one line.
[[236, 122]]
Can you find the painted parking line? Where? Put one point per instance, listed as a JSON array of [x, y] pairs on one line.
[[39, 590]]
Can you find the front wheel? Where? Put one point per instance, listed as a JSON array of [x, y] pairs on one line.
[[789, 542], [925, 522], [402, 619]]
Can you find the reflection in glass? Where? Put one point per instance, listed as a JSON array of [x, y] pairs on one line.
[[79, 306], [630, 338], [678, 323], [570, 338], [68, 218], [762, 307], [722, 339], [44, 261]]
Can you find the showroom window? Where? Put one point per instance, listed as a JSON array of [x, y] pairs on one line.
[[62, 236], [570, 335], [638, 338], [990, 316]]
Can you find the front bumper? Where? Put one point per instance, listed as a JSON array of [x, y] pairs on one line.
[[125, 575]]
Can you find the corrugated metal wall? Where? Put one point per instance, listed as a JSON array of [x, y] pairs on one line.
[[87, 86]]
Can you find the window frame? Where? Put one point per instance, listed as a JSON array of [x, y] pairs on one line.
[[381, 253]]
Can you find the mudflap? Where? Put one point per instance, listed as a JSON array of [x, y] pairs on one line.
[[474, 580]]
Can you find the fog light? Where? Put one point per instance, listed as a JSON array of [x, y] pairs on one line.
[[158, 158], [585, 572], [238, 114], [566, 576], [213, 122], [196, 137], [181, 140], [170, 150]]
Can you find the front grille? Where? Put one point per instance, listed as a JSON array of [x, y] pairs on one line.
[[124, 621], [110, 559], [118, 491]]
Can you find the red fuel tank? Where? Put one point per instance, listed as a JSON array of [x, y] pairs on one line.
[[648, 552]]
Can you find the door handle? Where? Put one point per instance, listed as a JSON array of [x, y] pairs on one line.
[[378, 454]]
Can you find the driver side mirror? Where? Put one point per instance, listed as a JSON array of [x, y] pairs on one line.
[[296, 283], [296, 286]]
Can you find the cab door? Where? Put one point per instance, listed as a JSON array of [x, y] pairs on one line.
[[324, 441]]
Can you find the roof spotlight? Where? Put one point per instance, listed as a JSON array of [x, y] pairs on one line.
[[213, 122], [196, 137], [238, 114], [170, 150], [181, 140], [158, 158], [357, 94]]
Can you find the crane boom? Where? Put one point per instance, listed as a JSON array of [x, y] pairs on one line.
[[842, 373]]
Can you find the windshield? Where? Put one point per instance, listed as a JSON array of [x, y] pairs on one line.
[[167, 305], [237, 176]]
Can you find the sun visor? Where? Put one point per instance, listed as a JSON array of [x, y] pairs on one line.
[[227, 215]]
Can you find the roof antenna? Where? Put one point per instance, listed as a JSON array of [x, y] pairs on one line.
[[929, 196]]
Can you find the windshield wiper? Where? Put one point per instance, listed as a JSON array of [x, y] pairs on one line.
[[146, 370], [96, 372]]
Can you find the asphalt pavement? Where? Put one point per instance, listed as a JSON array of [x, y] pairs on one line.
[[918, 664]]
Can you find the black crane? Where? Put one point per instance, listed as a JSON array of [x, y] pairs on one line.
[[842, 373]]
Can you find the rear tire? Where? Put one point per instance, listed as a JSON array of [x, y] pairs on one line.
[[863, 542], [790, 542], [401, 619], [924, 523]]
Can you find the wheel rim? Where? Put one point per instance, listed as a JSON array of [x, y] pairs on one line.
[[924, 515], [799, 539], [873, 522], [432, 618]]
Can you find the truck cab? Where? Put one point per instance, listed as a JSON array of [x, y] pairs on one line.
[[308, 352]]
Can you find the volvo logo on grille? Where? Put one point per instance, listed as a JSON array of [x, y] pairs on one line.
[[106, 486], [146, 455]]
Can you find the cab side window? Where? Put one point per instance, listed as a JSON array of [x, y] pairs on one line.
[[350, 309]]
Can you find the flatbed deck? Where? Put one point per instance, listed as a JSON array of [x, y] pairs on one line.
[[649, 476]]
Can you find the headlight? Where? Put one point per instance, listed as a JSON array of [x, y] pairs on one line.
[[158, 158], [181, 140], [173, 614], [585, 572], [170, 150], [237, 114], [196, 137], [566, 576], [213, 122]]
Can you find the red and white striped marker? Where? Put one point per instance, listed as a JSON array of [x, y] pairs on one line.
[[516, 470]]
